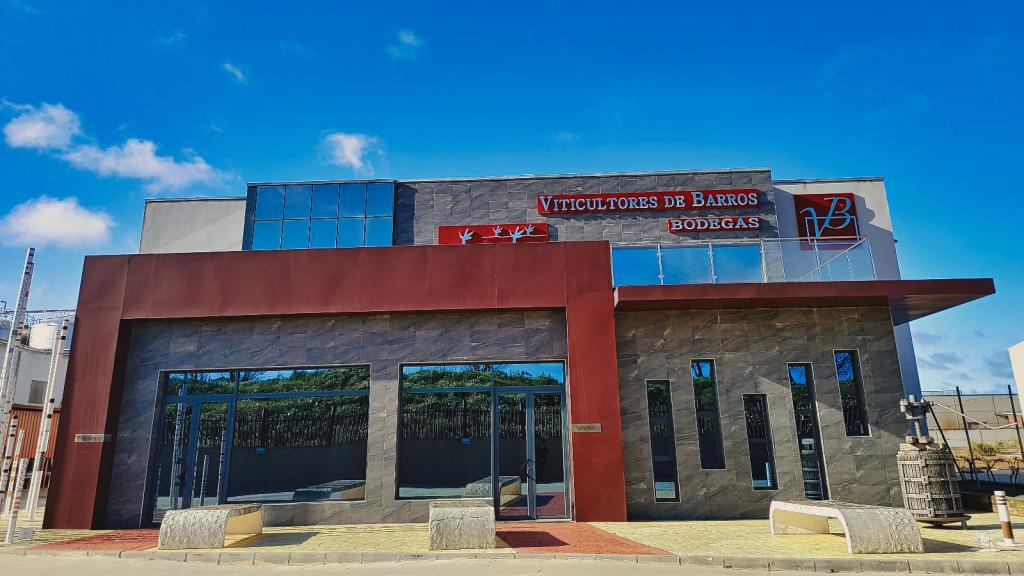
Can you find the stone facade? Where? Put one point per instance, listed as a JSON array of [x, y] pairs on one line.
[[422, 206], [383, 341], [751, 349]]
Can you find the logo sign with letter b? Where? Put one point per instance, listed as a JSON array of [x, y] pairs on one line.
[[826, 215]]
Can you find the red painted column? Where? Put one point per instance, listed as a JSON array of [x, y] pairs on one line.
[[599, 485], [81, 470]]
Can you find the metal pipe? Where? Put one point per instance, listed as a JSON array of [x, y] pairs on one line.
[[967, 433], [9, 373], [1004, 517], [12, 522], [46, 422]]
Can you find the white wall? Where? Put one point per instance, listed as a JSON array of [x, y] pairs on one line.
[[1017, 362], [193, 225], [875, 224], [35, 365]]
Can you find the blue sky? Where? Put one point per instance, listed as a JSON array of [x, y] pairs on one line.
[[106, 104]]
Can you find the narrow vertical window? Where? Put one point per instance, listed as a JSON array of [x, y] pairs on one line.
[[709, 428], [759, 441], [808, 434], [663, 441], [851, 392]]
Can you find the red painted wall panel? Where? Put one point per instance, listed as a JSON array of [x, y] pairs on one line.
[[575, 276]]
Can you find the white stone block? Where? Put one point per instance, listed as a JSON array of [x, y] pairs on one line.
[[461, 525]]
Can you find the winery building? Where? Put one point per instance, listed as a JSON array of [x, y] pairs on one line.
[[687, 344]]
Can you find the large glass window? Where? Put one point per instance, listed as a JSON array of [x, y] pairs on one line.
[[296, 449], [269, 202], [851, 392], [709, 427], [759, 442], [663, 441], [297, 202], [345, 215], [452, 416], [282, 435], [325, 201]]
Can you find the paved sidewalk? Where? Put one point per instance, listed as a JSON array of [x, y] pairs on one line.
[[37, 566], [741, 544]]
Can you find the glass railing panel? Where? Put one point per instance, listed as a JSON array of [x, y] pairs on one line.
[[635, 266], [738, 263], [686, 264]]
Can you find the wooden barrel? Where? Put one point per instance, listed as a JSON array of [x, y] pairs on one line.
[[928, 476]]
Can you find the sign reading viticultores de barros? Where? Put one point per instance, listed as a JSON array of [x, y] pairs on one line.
[[637, 201]]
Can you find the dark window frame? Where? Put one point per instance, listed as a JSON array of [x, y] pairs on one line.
[[671, 435], [812, 409], [715, 415], [768, 442], [852, 414]]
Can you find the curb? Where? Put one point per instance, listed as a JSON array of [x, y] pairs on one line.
[[240, 557]]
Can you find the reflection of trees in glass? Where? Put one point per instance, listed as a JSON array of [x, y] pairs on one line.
[[470, 375], [659, 406], [301, 421], [851, 393], [314, 380], [705, 397], [453, 415], [702, 372]]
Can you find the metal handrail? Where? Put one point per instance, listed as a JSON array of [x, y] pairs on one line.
[[846, 252]]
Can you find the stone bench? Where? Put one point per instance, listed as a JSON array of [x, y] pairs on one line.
[[208, 526], [461, 524], [335, 490], [869, 529], [507, 486]]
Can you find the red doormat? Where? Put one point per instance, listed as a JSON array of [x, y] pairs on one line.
[[116, 541], [568, 538]]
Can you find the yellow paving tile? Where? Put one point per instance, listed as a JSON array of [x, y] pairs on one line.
[[753, 538]]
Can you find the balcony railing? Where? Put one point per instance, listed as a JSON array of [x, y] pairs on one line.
[[744, 260]]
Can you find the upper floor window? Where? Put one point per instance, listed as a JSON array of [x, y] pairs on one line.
[[341, 215]]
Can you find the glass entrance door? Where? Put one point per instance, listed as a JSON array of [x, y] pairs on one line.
[[193, 442], [529, 455]]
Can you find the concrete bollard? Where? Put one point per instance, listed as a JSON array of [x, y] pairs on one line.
[[1004, 517]]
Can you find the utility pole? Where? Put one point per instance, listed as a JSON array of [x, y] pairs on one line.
[[46, 422], [9, 373]]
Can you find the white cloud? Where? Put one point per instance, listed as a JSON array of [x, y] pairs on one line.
[[173, 37], [406, 47], [350, 150], [55, 129], [297, 49], [47, 127], [62, 222], [235, 72], [138, 159]]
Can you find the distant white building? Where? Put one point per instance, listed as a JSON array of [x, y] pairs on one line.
[[34, 361]]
